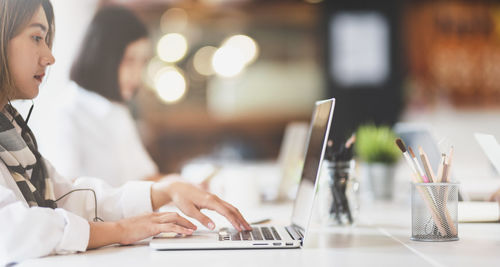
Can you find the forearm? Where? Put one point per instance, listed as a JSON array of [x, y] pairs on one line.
[[113, 204], [103, 234]]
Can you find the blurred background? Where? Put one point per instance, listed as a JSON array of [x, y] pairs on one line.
[[229, 75]]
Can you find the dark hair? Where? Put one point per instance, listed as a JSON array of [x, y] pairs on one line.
[[14, 17], [96, 67]]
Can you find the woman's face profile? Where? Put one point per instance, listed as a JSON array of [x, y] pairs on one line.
[[132, 66], [29, 55]]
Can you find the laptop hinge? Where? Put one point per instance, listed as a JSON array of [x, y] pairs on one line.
[[294, 232]]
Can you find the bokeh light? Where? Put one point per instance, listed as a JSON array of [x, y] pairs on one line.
[[174, 20], [247, 46], [203, 60], [172, 47], [228, 61], [170, 84], [234, 55]]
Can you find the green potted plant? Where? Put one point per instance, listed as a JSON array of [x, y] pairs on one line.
[[375, 148]]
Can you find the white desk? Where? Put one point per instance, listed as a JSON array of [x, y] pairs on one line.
[[380, 239]]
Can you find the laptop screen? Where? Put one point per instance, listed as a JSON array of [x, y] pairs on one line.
[[316, 145]]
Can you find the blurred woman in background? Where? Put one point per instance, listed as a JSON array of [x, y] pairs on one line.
[[95, 132]]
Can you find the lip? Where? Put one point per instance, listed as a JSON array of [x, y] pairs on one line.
[[39, 77]]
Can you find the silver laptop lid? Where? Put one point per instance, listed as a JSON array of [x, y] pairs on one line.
[[316, 145]]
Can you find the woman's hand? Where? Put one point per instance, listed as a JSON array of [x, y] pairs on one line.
[[191, 199], [130, 230]]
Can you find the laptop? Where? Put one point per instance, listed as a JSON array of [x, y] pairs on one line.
[[270, 236], [490, 147]]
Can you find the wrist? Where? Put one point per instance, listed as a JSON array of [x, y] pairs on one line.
[[161, 193], [119, 231], [104, 233]]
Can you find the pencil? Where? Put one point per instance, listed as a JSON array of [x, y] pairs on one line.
[[439, 176], [446, 174], [427, 165]]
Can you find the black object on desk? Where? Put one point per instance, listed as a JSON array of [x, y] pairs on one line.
[[339, 165]]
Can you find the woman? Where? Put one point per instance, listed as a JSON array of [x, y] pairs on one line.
[[94, 133], [40, 211]]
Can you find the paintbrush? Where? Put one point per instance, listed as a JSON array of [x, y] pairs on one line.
[[407, 157]]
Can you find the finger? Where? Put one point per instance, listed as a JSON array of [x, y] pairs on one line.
[[241, 220], [177, 219], [174, 228], [216, 204], [494, 196], [195, 213], [238, 214]]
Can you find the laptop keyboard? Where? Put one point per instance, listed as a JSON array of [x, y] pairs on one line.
[[257, 233]]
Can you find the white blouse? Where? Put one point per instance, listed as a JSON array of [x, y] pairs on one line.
[[34, 232], [92, 136]]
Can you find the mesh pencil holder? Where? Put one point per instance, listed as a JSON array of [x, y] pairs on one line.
[[434, 211]]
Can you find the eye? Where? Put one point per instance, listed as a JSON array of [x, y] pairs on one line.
[[37, 38]]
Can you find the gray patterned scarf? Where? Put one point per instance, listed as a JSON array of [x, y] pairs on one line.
[[20, 154]]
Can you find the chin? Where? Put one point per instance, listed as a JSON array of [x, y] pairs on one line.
[[30, 94]]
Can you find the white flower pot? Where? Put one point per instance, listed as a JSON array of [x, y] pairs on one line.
[[380, 179]]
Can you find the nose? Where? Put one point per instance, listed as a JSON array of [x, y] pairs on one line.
[[47, 58]]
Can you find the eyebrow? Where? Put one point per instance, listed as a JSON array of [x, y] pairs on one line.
[[38, 25]]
